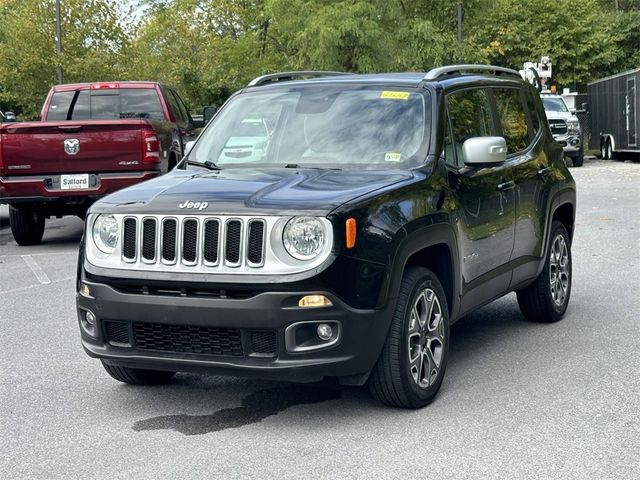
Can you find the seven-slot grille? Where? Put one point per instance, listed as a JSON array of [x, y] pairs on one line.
[[558, 127], [193, 241]]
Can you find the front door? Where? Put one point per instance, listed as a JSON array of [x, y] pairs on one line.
[[484, 213], [631, 112]]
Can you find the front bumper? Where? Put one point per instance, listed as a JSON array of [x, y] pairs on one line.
[[45, 188], [571, 144], [155, 321]]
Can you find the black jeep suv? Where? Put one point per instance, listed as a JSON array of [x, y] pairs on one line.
[[333, 225]]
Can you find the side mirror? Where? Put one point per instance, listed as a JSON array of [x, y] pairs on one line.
[[197, 121], [187, 147], [208, 113], [482, 152]]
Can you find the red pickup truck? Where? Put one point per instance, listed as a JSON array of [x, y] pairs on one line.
[[93, 139]]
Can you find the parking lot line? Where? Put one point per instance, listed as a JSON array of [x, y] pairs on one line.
[[36, 269]]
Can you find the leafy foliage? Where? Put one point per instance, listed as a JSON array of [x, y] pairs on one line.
[[209, 48]]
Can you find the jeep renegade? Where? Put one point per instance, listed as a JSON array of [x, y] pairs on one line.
[[333, 225]]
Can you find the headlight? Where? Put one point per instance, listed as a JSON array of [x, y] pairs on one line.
[[304, 237], [106, 233], [573, 125]]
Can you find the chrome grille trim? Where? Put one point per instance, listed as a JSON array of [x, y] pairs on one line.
[[275, 261]]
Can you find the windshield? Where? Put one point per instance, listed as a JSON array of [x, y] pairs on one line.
[[554, 104], [319, 126]]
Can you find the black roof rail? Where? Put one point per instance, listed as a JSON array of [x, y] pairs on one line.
[[284, 76], [438, 72]]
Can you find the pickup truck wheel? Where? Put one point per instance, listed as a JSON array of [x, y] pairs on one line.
[[578, 160], [137, 376], [546, 299], [411, 366], [27, 226]]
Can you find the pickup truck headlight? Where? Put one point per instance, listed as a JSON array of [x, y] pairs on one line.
[[573, 125], [106, 233], [304, 237]]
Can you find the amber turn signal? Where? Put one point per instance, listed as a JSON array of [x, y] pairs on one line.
[[351, 232], [314, 301]]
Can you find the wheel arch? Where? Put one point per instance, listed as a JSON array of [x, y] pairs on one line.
[[434, 247]]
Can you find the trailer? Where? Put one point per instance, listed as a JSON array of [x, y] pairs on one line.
[[614, 103]]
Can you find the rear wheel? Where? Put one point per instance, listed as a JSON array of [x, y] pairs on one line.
[[547, 298], [137, 376], [412, 363], [27, 226], [603, 149]]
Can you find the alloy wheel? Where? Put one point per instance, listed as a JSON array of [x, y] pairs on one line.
[[559, 273], [426, 338]]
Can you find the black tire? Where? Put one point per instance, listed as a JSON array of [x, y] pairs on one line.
[[537, 302], [137, 376], [27, 226], [393, 380], [603, 150], [578, 160]]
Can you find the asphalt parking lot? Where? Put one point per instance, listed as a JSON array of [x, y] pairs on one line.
[[519, 400]]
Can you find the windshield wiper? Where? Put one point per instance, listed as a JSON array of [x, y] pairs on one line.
[[296, 165], [208, 164]]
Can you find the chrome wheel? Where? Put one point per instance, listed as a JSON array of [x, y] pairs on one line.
[[426, 338], [559, 272]]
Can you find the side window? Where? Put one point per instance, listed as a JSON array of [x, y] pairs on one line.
[[532, 106], [470, 116], [173, 103], [81, 109], [513, 119], [183, 110]]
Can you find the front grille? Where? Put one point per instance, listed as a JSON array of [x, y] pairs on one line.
[[129, 235], [117, 332], [188, 339], [263, 342], [195, 241], [558, 127]]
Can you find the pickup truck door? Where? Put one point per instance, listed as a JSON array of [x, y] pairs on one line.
[[484, 209]]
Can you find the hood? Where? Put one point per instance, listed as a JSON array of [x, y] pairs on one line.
[[560, 116], [248, 191]]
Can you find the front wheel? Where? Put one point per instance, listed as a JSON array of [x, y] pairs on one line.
[[27, 226], [547, 298], [138, 376], [578, 160], [411, 366]]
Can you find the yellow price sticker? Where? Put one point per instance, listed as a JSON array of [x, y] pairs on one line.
[[389, 95]]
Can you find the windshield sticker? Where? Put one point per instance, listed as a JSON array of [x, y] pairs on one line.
[[392, 157], [389, 95]]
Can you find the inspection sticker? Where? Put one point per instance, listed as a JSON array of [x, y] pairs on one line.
[[389, 95], [392, 157]]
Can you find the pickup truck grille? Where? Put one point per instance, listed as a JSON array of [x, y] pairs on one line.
[[558, 127], [194, 241]]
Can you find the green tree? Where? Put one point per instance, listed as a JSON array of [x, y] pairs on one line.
[[93, 35], [581, 45]]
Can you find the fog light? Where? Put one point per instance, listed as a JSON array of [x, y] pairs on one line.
[[90, 318], [84, 290], [314, 301], [324, 331]]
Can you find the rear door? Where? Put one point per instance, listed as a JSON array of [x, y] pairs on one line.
[[521, 123], [485, 212]]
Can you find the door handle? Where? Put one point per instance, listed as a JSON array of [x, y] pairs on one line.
[[506, 186], [543, 172]]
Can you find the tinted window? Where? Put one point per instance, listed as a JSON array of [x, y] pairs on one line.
[[513, 118], [470, 116], [532, 105], [183, 110], [175, 109], [59, 106], [106, 104]]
